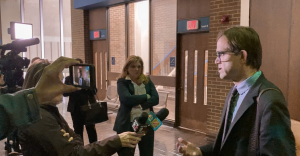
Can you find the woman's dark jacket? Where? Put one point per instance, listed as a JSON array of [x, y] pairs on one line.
[[129, 100]]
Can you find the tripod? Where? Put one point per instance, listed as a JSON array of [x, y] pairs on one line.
[[12, 145]]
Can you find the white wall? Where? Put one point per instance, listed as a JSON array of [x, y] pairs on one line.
[[245, 10], [142, 32], [10, 12]]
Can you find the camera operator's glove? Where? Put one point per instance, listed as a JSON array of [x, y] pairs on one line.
[[50, 85], [130, 139]]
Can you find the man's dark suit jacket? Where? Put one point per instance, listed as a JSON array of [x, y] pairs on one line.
[[82, 82], [129, 100], [76, 99], [276, 137]]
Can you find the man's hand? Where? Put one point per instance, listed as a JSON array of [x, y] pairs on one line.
[[188, 149], [130, 139], [50, 85]]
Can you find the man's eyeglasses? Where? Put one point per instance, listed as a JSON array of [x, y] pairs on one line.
[[221, 53]]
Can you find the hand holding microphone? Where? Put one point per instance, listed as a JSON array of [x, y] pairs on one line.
[[140, 124], [130, 139]]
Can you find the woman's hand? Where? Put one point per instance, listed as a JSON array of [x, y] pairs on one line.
[[50, 85], [130, 139]]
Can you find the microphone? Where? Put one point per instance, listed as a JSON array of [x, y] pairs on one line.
[[155, 120], [162, 114], [140, 123], [139, 126]]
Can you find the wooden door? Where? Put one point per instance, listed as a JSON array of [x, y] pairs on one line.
[[100, 62], [192, 110]]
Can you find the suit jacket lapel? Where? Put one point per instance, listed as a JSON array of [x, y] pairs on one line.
[[249, 100], [220, 133], [224, 109], [218, 143]]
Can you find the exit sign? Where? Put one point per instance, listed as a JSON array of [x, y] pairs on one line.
[[192, 25], [96, 34]]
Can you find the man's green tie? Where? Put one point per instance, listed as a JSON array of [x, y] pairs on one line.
[[230, 109]]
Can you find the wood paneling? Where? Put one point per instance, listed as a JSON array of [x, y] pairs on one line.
[[294, 63], [98, 19], [191, 9], [99, 49], [273, 29], [277, 23]]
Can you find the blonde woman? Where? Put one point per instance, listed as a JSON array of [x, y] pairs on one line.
[[137, 94], [51, 135]]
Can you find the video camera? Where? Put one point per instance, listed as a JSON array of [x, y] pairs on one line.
[[11, 64]]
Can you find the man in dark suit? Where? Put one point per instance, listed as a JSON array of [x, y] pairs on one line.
[[239, 56], [76, 100], [81, 80]]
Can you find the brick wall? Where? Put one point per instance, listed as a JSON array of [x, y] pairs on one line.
[[81, 46], [217, 88], [117, 37], [163, 29]]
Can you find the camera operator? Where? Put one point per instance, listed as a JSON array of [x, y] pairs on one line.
[[22, 108], [48, 87]]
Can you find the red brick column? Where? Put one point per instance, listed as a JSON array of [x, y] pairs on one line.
[[217, 88], [81, 47]]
